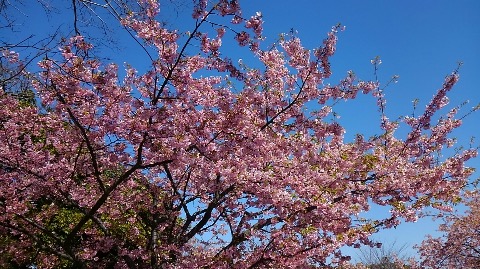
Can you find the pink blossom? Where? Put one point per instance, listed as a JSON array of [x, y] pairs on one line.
[[204, 161]]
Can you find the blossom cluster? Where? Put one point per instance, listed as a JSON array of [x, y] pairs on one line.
[[201, 162]]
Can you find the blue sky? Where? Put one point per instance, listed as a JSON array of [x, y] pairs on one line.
[[421, 41]]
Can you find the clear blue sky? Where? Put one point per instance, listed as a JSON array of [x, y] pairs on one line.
[[421, 41]]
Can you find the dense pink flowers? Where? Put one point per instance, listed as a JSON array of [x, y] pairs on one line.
[[201, 162]]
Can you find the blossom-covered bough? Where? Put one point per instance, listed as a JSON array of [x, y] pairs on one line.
[[459, 246], [200, 162]]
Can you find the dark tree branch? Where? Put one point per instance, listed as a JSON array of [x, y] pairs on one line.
[[138, 165], [75, 17], [216, 201], [294, 101]]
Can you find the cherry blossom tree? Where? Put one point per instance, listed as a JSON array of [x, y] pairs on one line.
[[203, 161], [459, 247]]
